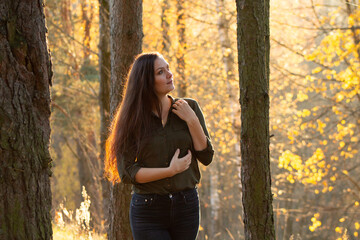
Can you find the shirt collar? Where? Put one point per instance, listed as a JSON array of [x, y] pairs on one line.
[[171, 106], [172, 102]]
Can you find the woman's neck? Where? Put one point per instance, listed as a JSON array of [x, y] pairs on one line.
[[165, 103]]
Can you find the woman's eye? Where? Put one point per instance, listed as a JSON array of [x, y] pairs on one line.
[[161, 71]]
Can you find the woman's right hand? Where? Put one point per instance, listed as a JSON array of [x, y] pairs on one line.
[[178, 165]]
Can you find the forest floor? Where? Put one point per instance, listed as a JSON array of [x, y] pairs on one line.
[[71, 232]]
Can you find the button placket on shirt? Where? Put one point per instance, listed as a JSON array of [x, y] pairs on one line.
[[166, 147], [165, 154]]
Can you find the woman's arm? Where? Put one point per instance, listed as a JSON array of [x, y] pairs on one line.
[[185, 112], [203, 149], [177, 165], [197, 134]]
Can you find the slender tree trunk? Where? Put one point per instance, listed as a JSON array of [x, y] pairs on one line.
[[180, 53], [95, 191], [104, 100], [87, 15], [223, 25], [227, 53], [356, 35], [205, 208], [165, 26], [25, 162], [289, 219], [88, 166], [125, 43], [66, 16], [253, 60], [214, 201]]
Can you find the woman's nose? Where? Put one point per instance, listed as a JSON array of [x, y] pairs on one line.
[[169, 74]]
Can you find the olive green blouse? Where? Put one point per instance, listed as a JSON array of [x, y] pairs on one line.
[[157, 150]]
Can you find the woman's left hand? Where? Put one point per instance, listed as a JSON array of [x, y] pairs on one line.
[[182, 109]]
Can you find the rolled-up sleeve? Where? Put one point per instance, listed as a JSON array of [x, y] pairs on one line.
[[127, 166], [205, 156]]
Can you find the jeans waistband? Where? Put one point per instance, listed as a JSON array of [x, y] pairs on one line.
[[181, 193], [170, 194]]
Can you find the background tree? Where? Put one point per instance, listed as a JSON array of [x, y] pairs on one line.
[[323, 139], [126, 35], [181, 48], [26, 76], [165, 27], [74, 102], [104, 97], [254, 99], [313, 65]]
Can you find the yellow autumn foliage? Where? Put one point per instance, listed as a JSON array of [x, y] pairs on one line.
[[311, 171]]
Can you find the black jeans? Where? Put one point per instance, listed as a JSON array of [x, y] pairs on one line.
[[165, 217]]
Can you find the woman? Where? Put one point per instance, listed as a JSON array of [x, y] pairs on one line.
[[154, 143]]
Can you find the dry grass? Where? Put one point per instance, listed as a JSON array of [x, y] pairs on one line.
[[70, 232], [68, 226]]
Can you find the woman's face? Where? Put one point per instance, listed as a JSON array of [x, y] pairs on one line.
[[163, 77]]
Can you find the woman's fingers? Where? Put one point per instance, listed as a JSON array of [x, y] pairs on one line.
[[177, 152], [179, 103], [180, 164], [182, 109], [187, 159]]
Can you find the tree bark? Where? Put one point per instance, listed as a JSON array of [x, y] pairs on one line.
[[25, 161], [104, 100], [253, 48], [180, 53], [125, 43]]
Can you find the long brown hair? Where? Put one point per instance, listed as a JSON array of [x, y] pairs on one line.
[[132, 120]]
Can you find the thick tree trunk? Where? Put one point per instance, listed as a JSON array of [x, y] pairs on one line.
[[25, 66], [180, 53], [254, 99], [104, 99], [125, 43]]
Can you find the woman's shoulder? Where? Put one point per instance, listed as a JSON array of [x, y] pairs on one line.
[[192, 102]]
